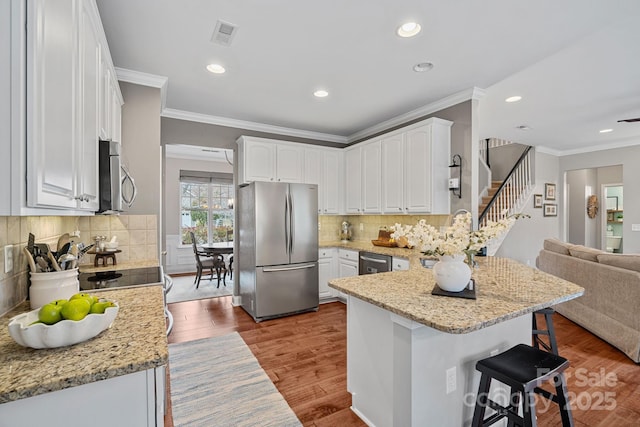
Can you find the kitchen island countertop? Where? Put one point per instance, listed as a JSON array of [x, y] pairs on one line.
[[126, 265], [135, 342], [505, 289]]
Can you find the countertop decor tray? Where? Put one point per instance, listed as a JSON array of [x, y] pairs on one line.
[[465, 293], [387, 243]]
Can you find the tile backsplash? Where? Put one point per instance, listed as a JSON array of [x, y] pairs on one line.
[[371, 224], [136, 234]]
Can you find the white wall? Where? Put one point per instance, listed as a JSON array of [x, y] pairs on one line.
[[525, 239], [179, 258], [629, 158]]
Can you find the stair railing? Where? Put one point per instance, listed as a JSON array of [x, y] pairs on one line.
[[511, 191]]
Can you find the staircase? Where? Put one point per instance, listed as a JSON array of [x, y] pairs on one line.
[[508, 197]]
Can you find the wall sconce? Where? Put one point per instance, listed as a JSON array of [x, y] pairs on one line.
[[454, 183]]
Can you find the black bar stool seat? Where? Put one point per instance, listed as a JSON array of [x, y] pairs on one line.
[[523, 368]]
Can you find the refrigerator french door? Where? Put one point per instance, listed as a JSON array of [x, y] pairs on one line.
[[278, 248]]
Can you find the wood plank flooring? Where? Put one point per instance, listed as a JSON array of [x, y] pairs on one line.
[[305, 357]]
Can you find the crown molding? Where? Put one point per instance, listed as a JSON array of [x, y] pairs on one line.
[[623, 143], [546, 150], [451, 100], [145, 79], [254, 126]]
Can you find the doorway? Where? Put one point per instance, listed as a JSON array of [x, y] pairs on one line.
[[612, 217]]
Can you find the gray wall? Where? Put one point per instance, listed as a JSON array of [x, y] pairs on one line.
[[502, 160], [629, 158], [141, 151], [525, 239], [175, 131]]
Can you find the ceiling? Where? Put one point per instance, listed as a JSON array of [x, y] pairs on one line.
[[575, 63]]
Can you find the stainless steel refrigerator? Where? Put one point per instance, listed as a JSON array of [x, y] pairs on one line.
[[278, 248]]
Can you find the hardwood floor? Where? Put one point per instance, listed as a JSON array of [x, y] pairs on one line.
[[305, 357]]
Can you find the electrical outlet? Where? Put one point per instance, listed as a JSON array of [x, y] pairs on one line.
[[635, 227], [75, 233], [451, 380], [361, 227], [8, 258], [319, 226]]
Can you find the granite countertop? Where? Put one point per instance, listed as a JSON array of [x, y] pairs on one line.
[[366, 245], [126, 265], [135, 342], [505, 289]]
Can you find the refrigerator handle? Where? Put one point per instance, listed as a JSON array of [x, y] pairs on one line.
[[287, 223], [291, 223], [297, 267]]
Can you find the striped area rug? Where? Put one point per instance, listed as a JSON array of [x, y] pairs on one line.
[[218, 382]]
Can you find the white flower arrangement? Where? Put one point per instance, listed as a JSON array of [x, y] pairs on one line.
[[456, 239]]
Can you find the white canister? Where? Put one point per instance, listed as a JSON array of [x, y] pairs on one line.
[[47, 287]]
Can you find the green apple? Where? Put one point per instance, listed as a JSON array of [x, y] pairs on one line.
[[100, 306], [59, 301], [76, 309], [50, 313], [84, 295]]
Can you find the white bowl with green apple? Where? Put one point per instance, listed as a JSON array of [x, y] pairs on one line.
[[63, 322]]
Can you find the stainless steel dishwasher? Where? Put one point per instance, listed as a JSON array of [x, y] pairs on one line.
[[371, 263]]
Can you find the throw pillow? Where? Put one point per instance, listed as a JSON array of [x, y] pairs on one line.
[[585, 253], [557, 246], [628, 262]]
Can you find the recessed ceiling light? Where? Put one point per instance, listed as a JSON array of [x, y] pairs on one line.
[[523, 127], [423, 66], [513, 99], [321, 93], [606, 130], [216, 68], [408, 29]]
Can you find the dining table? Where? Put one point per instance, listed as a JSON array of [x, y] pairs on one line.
[[217, 248]]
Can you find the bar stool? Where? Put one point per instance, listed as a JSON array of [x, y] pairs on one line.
[[549, 332], [524, 369]]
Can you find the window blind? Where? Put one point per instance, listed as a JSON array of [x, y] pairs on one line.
[[202, 177]]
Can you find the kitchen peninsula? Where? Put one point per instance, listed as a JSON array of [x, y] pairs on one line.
[[411, 355], [116, 378]]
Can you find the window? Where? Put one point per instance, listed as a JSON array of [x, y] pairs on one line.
[[206, 202]]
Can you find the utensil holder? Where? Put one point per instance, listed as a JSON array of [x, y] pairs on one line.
[[47, 287]]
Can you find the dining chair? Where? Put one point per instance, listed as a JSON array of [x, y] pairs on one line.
[[208, 262]]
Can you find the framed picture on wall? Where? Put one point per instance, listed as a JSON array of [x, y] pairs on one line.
[[537, 200], [550, 191], [550, 209]]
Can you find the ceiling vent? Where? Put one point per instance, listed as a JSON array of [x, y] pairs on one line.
[[223, 33]]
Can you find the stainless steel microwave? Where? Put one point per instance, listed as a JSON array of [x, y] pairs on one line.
[[112, 177]]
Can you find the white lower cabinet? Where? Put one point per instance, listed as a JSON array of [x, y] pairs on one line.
[[347, 266], [399, 264], [327, 269], [135, 399]]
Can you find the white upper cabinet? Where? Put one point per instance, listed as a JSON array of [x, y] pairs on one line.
[[371, 177], [289, 163], [323, 166], [52, 90], [353, 179], [269, 160], [90, 76], [333, 181], [426, 164], [66, 58], [393, 174]]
